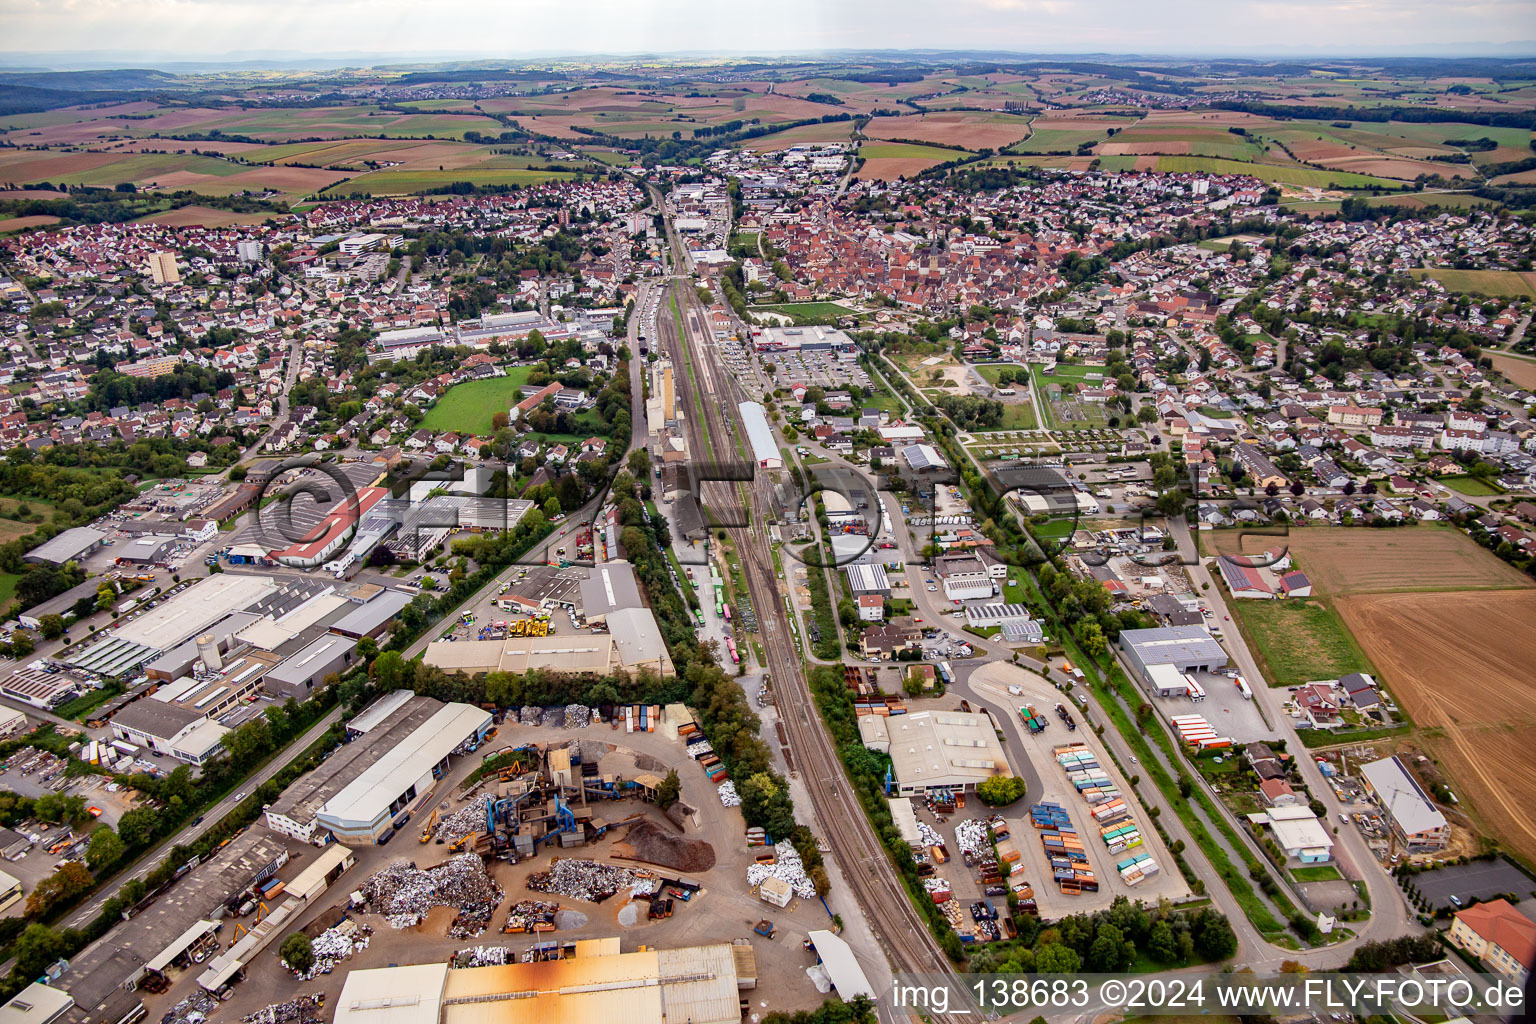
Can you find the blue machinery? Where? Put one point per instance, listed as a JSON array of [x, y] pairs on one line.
[[503, 812]]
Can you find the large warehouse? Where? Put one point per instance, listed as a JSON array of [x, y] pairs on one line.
[[690, 985], [936, 750], [760, 435], [365, 809], [1186, 648], [385, 724], [69, 546]]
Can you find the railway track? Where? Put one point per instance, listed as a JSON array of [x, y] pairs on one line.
[[900, 929]]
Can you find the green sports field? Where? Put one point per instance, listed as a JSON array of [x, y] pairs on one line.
[[468, 408]]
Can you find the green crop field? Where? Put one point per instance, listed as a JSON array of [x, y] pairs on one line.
[[396, 182], [1310, 177], [1511, 283], [468, 408], [1298, 640], [1048, 140]]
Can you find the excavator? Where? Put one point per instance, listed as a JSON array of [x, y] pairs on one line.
[[459, 843], [426, 830]]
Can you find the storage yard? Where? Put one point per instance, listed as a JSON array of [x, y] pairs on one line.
[[488, 897]]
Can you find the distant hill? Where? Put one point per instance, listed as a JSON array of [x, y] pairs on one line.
[[90, 81], [26, 99]]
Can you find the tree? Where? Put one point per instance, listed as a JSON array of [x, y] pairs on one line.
[[1091, 635], [36, 948], [69, 881], [1110, 951], [668, 791], [105, 848], [1054, 958], [1000, 790], [392, 671], [499, 420], [1214, 937], [1161, 943], [106, 597], [1146, 414], [297, 952], [552, 507], [60, 807], [137, 827], [51, 626], [1171, 503]]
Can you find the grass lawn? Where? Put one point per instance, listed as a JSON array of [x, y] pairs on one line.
[[814, 310], [8, 581], [468, 408], [1470, 485], [1299, 640], [1316, 873], [1016, 416]]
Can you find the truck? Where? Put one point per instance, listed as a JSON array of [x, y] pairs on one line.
[[1031, 718], [1066, 717]]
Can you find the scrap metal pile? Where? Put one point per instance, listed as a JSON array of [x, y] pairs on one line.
[[582, 880], [298, 1010], [334, 945], [935, 884], [974, 837], [577, 716], [482, 956], [929, 834], [530, 715], [195, 1009], [786, 867], [466, 820], [531, 915], [728, 795], [404, 893]]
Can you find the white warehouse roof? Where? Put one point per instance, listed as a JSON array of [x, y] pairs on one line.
[[363, 801], [760, 435], [194, 609]]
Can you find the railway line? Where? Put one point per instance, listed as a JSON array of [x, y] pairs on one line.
[[706, 387]]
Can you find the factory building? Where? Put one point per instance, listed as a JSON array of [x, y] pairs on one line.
[[936, 750], [373, 617], [1409, 811], [298, 676], [595, 982], [1185, 648], [364, 810], [386, 723], [797, 339], [69, 546]]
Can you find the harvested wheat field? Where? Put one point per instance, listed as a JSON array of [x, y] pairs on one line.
[[1461, 666], [207, 216], [967, 129], [1521, 371], [1354, 560]]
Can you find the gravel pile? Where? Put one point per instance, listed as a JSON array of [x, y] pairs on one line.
[[728, 795], [582, 880], [974, 836], [787, 867], [530, 715], [577, 716], [299, 1010], [404, 894]]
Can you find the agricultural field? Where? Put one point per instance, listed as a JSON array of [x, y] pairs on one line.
[[888, 161], [832, 131], [1444, 656], [1520, 369], [173, 171], [9, 224], [967, 129], [1058, 134], [1470, 486], [1509, 283], [1343, 560], [400, 182], [206, 216], [1293, 174], [805, 309], [468, 408]]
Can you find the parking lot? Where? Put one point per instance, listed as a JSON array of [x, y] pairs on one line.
[[1479, 880], [825, 370]]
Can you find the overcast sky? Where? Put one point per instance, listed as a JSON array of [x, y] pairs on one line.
[[203, 29]]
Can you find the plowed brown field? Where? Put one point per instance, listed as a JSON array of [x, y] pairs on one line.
[[1461, 665]]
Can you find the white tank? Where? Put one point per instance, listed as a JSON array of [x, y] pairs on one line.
[[208, 651]]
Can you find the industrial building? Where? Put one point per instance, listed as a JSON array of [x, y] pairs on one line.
[[1410, 813], [327, 537], [964, 577], [297, 676], [363, 811], [68, 546], [596, 982], [607, 588], [935, 750], [1298, 832], [760, 435], [1186, 648], [145, 549], [373, 616], [36, 1004], [385, 724], [596, 653]]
